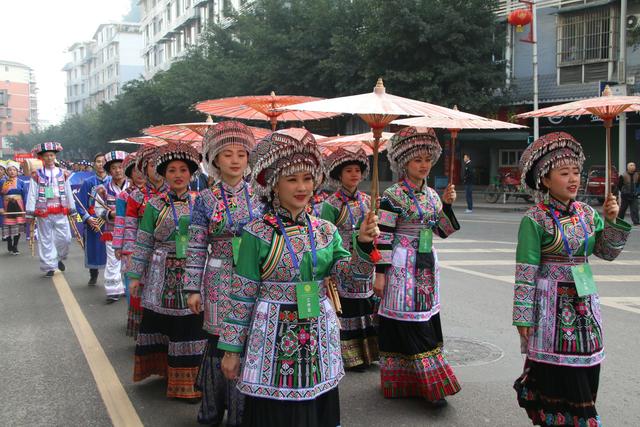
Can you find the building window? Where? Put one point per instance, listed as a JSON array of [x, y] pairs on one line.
[[509, 158], [4, 98], [586, 45]]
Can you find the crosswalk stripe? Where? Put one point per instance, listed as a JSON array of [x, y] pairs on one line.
[[510, 278], [502, 262], [631, 304]]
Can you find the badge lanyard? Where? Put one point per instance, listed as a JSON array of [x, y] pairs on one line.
[[287, 241], [420, 211], [351, 217], [176, 220], [226, 204], [48, 180], [565, 241]]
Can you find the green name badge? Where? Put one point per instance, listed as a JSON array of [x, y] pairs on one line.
[[235, 248], [181, 246], [308, 300], [48, 192], [583, 279], [426, 241], [354, 240]]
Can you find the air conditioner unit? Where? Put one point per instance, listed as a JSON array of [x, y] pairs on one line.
[[633, 21]]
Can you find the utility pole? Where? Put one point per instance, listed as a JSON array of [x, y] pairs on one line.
[[622, 75]]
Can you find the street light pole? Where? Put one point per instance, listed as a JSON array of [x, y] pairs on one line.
[[533, 39], [534, 34], [622, 74]]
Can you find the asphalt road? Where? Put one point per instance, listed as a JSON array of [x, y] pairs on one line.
[[46, 379]]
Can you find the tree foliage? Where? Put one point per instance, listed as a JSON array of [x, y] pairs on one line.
[[439, 51]]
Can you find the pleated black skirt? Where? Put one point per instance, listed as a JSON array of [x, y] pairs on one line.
[[559, 395], [323, 411]]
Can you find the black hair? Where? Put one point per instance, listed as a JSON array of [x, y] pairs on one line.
[[337, 171], [162, 168]]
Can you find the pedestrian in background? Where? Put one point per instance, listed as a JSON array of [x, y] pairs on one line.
[[628, 186], [556, 305], [467, 180]]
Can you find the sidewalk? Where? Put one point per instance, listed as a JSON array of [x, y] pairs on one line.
[[479, 204]]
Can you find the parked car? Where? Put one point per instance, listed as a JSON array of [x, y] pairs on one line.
[[594, 186]]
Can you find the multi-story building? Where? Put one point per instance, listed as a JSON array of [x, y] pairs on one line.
[[169, 27], [99, 68], [18, 102], [77, 70], [578, 53]]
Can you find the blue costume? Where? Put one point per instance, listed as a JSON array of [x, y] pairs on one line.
[[95, 252]]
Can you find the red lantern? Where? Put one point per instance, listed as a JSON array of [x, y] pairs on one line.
[[520, 18]]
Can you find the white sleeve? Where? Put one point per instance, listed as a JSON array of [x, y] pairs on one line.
[[32, 196], [70, 199]]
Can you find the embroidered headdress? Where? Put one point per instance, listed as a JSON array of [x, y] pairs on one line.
[[177, 151], [129, 163], [340, 158], [12, 164], [282, 153], [112, 157], [556, 149], [410, 142], [224, 135], [47, 146], [147, 154]]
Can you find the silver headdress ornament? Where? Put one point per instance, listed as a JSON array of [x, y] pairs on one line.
[[285, 152], [410, 142], [336, 161], [223, 135], [129, 163], [147, 153], [177, 151], [550, 151]]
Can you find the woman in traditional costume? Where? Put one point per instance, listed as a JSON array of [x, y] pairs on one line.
[[412, 362], [134, 211], [13, 193], [170, 341], [346, 209], [219, 214], [279, 307], [556, 306]]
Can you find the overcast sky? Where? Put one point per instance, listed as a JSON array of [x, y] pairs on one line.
[[37, 34]]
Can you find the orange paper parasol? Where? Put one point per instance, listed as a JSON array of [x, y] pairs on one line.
[[454, 125], [607, 107], [261, 107], [354, 142], [377, 109], [140, 140]]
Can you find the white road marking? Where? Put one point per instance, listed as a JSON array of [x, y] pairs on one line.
[[115, 398], [631, 304]]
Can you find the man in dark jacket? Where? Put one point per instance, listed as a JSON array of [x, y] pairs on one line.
[[467, 180], [628, 187]]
